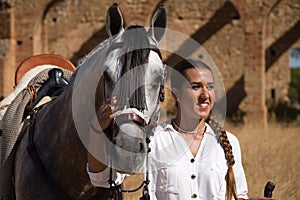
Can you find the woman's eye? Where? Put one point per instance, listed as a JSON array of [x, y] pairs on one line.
[[195, 87], [210, 86]]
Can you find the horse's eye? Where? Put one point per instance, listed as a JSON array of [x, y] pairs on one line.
[[155, 85]]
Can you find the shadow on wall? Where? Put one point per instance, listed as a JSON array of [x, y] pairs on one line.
[[221, 17], [234, 97], [89, 45], [274, 51]]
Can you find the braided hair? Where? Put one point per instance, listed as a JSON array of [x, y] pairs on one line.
[[225, 144], [222, 135]]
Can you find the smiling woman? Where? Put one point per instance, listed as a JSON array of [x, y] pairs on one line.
[[192, 156]]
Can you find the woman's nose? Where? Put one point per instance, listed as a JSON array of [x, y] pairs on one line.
[[204, 93]]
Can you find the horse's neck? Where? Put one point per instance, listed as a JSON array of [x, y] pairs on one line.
[[56, 122], [61, 148]]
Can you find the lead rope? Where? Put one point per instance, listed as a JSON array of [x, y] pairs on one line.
[[145, 193]]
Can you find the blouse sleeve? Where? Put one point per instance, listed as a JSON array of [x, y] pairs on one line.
[[100, 179], [240, 178]]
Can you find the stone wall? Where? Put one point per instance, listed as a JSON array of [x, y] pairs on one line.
[[246, 39], [282, 30]]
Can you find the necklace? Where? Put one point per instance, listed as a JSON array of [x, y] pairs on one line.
[[188, 132]]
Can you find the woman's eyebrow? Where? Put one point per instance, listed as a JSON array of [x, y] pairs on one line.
[[200, 83]]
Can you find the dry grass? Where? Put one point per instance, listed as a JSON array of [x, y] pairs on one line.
[[272, 154]]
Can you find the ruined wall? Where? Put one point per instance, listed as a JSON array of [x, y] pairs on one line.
[[282, 34], [239, 35], [6, 58]]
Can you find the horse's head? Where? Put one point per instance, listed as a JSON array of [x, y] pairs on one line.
[[134, 73]]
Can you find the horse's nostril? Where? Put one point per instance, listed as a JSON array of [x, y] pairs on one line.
[[141, 147]]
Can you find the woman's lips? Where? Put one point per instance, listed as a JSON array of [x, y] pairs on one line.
[[203, 105]]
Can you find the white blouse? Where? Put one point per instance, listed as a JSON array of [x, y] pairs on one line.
[[175, 174]]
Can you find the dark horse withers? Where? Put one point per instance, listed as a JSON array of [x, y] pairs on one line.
[[62, 128]]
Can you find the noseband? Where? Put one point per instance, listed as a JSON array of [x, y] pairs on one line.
[[130, 117]]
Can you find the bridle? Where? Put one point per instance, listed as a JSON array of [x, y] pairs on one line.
[[136, 119], [132, 117]]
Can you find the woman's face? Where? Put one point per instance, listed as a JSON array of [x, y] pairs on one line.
[[197, 95]]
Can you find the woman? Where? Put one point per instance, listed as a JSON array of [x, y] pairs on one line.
[[191, 156]]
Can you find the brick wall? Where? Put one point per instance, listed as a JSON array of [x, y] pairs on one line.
[[239, 35], [5, 35]]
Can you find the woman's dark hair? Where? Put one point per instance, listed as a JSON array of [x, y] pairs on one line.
[[178, 75], [177, 78]]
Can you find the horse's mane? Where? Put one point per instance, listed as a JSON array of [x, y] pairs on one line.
[[136, 50], [99, 47]]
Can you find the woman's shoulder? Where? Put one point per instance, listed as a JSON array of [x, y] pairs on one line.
[[233, 140], [164, 126], [164, 133], [231, 136]]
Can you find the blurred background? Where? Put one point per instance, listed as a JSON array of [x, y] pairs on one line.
[[254, 43]]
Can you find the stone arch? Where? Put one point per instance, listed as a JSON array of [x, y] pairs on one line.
[[53, 14], [253, 14], [282, 26], [39, 40]]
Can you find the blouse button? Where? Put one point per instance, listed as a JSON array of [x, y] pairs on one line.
[[192, 160], [194, 196], [193, 176]]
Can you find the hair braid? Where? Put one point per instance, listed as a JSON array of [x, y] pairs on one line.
[[224, 142]]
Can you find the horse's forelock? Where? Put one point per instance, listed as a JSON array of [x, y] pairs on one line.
[[136, 51], [136, 47]]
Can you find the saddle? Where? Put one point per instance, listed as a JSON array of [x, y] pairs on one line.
[[52, 87], [49, 82]]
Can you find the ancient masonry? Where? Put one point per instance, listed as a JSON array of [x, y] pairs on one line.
[[249, 40]]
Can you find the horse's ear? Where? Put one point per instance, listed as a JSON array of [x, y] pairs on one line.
[[158, 23], [114, 20]]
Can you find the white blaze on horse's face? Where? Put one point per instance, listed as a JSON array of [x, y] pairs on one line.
[[154, 77], [130, 140]]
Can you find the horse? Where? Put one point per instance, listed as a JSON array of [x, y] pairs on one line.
[[127, 65]]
